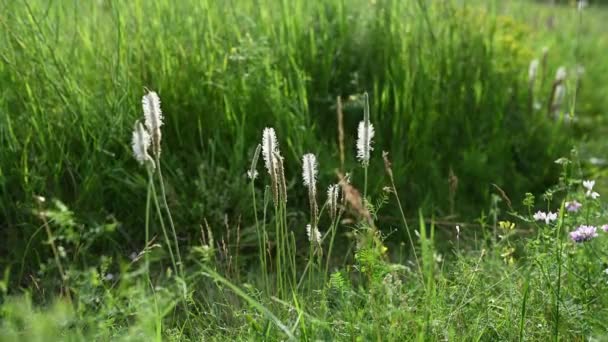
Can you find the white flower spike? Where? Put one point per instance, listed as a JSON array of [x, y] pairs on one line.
[[140, 143], [153, 118], [309, 170], [314, 235], [365, 135], [270, 146]]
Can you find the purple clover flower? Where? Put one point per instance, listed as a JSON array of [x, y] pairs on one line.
[[583, 233], [605, 228], [573, 206]]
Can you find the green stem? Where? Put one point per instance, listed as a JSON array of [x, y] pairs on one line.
[[365, 184], [162, 222], [148, 199], [166, 205]]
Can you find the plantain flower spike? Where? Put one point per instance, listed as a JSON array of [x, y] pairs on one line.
[[141, 143], [314, 235], [270, 149], [365, 134], [153, 117], [309, 171], [333, 192]]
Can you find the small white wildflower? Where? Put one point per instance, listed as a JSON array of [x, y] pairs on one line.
[[550, 217], [539, 216], [153, 117], [547, 217], [309, 170], [252, 175], [314, 235], [140, 143], [457, 232], [589, 184]]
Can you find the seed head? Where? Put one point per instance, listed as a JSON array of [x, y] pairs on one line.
[[280, 174], [140, 143], [364, 142], [309, 174], [365, 134], [309, 170], [269, 147], [153, 117], [314, 235], [252, 173], [333, 192]]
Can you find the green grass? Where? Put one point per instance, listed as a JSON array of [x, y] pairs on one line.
[[201, 252]]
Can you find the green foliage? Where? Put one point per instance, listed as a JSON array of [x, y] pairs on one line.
[[73, 74]]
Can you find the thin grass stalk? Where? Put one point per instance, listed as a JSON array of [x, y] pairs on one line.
[[162, 222], [266, 251], [389, 171], [365, 147], [54, 249], [558, 251], [278, 250], [164, 198], [261, 241], [147, 233], [340, 115], [522, 319], [333, 230]]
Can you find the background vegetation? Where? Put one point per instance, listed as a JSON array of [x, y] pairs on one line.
[[450, 101]]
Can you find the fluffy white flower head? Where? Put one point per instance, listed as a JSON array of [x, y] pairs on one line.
[[153, 118], [365, 134], [309, 170], [270, 146], [314, 235], [333, 192], [140, 143]]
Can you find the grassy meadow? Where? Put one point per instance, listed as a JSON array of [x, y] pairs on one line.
[[322, 170]]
